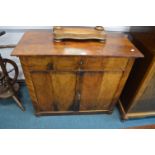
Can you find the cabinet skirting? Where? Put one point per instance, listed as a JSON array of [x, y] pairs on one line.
[[126, 116], [52, 113]]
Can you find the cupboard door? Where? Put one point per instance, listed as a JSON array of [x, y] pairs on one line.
[[64, 84], [55, 91], [43, 89], [98, 90]]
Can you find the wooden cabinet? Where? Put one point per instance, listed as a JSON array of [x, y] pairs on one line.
[[75, 77], [140, 102]]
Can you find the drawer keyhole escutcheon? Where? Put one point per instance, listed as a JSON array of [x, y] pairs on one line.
[[81, 62], [50, 66]]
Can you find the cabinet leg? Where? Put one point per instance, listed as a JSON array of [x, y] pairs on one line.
[[37, 115], [18, 102]]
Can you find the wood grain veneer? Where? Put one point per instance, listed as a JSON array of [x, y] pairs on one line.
[[75, 77]]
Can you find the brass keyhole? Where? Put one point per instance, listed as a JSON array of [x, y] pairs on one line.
[[81, 62], [50, 66]]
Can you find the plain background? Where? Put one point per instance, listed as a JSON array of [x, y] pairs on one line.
[[77, 12]]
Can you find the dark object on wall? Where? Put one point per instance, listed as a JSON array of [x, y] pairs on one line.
[[8, 85], [79, 33], [75, 77], [138, 97], [2, 33], [8, 46]]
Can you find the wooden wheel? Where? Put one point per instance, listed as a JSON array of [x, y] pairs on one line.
[[12, 71]]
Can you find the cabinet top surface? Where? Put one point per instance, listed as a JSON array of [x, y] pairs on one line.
[[42, 44]]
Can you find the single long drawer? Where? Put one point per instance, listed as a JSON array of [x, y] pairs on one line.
[[76, 63], [100, 63]]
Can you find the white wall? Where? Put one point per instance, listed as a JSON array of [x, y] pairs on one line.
[[24, 28], [11, 38]]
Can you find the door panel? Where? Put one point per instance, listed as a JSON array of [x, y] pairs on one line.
[[98, 90], [64, 84], [43, 89], [55, 90]]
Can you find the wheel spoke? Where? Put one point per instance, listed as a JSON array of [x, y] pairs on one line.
[[11, 70]]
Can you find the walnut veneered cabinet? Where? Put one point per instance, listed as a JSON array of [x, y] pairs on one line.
[[138, 97], [75, 77]]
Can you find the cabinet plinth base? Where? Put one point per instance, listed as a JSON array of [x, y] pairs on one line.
[[52, 113], [126, 116]]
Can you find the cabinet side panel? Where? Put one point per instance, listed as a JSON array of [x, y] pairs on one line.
[[28, 80], [122, 81]]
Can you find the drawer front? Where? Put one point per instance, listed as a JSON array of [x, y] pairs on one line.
[[76, 63], [100, 63], [53, 63], [39, 63], [66, 63]]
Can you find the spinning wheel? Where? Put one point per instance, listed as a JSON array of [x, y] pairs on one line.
[[12, 71], [8, 80]]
